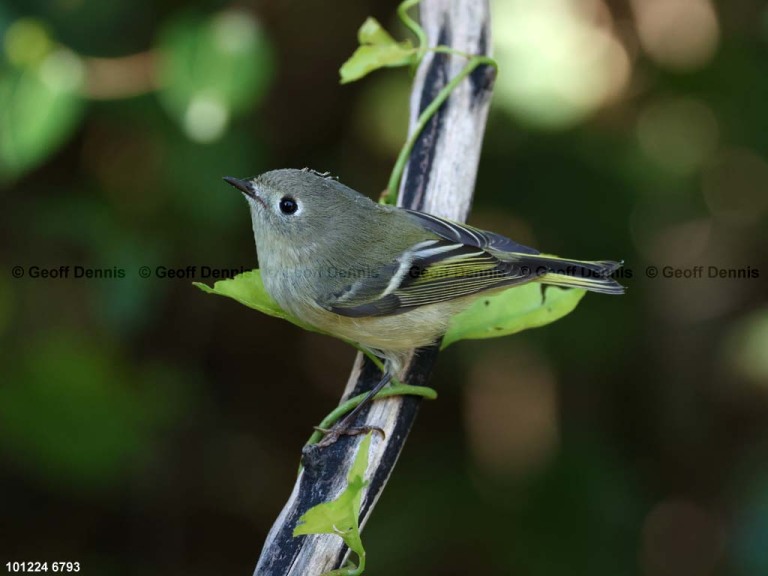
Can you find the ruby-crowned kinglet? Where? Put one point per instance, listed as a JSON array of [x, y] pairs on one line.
[[387, 278]]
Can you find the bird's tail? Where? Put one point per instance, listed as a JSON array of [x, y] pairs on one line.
[[593, 276]]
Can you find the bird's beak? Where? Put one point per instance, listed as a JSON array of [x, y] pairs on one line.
[[242, 185]]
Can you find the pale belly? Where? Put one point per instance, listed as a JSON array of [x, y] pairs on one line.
[[397, 333], [391, 335]]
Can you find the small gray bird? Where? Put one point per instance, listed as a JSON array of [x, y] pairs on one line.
[[387, 278]]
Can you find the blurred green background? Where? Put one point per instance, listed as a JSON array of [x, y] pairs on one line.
[[147, 428]]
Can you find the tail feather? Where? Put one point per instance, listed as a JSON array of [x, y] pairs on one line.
[[594, 276]]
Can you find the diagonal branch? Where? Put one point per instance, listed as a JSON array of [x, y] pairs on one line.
[[440, 179]]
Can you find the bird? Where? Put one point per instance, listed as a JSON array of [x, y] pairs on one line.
[[384, 277]]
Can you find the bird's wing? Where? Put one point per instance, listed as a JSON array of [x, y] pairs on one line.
[[463, 234], [460, 262]]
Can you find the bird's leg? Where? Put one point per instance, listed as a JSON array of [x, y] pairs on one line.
[[344, 426]]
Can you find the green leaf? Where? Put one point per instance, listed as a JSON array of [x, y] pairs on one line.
[[528, 306], [371, 32], [377, 50], [340, 516], [211, 68], [41, 108], [248, 289]]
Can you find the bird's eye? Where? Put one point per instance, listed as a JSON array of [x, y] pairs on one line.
[[288, 205]]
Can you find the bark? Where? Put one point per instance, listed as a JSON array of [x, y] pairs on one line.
[[439, 179]]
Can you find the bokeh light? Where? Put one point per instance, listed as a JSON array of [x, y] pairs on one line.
[[746, 349], [206, 118], [511, 412], [560, 60], [235, 31], [680, 538], [735, 187], [679, 34], [26, 41], [62, 71], [680, 134]]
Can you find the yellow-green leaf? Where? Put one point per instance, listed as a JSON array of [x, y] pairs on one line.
[[371, 32], [516, 309], [377, 50], [341, 516], [248, 289], [368, 58]]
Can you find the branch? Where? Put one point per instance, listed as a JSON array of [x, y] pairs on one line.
[[440, 179]]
